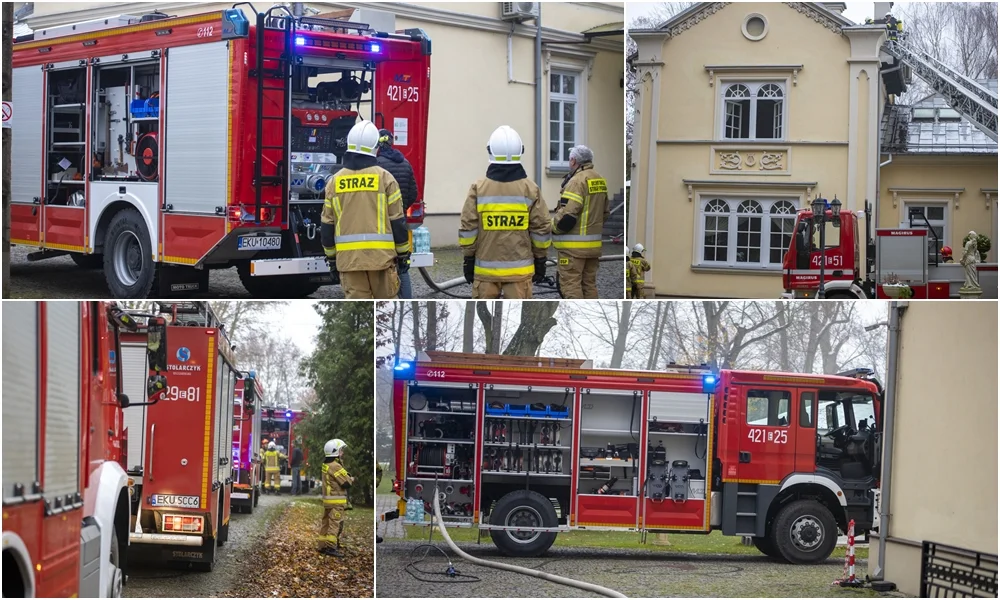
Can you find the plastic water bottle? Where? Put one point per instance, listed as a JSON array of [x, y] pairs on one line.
[[421, 240], [420, 510]]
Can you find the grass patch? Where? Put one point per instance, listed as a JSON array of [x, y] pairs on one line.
[[713, 543], [386, 486]]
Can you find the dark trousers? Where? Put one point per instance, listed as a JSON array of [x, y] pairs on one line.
[[296, 480]]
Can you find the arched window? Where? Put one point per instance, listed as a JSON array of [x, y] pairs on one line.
[[782, 228], [754, 111], [748, 226], [716, 241]]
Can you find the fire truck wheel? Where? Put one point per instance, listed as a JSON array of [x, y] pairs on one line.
[[526, 509], [805, 532], [128, 261], [115, 584], [281, 286], [767, 547], [87, 261], [256, 495]]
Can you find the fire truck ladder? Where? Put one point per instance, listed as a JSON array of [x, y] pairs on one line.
[[273, 69], [971, 100], [191, 314]]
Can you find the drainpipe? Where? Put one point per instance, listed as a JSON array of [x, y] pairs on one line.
[[538, 96], [896, 310], [880, 165]]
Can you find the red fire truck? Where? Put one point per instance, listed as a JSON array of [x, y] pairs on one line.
[[160, 148], [279, 426], [528, 447], [180, 449], [247, 473], [912, 254], [65, 492]]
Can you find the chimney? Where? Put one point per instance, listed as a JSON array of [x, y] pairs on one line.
[[837, 7]]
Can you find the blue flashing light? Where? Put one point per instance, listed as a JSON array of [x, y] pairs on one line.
[[253, 374], [402, 366], [300, 41], [708, 382], [288, 414], [376, 48]]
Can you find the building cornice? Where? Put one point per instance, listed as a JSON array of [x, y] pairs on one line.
[[699, 12], [399, 9], [810, 10]]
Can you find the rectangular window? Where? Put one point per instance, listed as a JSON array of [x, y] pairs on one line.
[[753, 111], [771, 408], [564, 101], [746, 233], [807, 399], [936, 215]]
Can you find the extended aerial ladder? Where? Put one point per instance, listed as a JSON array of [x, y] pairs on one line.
[[970, 99]]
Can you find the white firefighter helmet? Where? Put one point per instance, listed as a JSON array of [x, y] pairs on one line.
[[505, 146], [271, 446], [334, 448], [363, 138], [638, 248]]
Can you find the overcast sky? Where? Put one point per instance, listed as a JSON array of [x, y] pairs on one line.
[[856, 11], [297, 320]]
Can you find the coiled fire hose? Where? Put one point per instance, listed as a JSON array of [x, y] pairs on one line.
[[582, 585]]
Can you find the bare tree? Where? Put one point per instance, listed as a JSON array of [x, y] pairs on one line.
[[468, 326], [432, 326], [276, 360], [241, 316], [536, 322]]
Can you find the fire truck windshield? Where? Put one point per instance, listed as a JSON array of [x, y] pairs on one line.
[[837, 409]]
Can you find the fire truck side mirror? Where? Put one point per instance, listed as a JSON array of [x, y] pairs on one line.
[[250, 389], [123, 401], [156, 344]]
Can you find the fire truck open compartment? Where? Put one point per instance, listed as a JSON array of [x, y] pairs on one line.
[[556, 445]]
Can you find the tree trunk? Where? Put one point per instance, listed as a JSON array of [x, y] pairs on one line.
[[657, 342], [487, 320], [623, 324], [398, 307], [536, 322], [432, 323], [468, 327], [418, 343], [497, 327], [784, 359], [8, 40]]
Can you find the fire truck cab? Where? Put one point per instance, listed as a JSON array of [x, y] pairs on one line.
[[910, 255], [159, 148], [246, 430], [180, 449], [280, 425], [526, 448], [65, 491]]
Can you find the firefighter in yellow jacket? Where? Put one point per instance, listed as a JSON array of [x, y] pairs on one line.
[[363, 232], [504, 233], [336, 482], [272, 469], [639, 266], [578, 223]]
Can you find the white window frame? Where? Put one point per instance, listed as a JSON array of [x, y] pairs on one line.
[[578, 98], [753, 85], [766, 202], [945, 224]]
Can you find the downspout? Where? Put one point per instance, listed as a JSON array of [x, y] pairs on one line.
[[538, 96], [896, 310]]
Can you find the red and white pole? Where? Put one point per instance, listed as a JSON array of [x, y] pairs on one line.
[[850, 552]]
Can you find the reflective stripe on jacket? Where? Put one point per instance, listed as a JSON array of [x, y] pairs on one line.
[[334, 478], [640, 265], [505, 225], [584, 196], [271, 458], [362, 206]]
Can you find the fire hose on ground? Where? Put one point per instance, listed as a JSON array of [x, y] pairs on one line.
[[589, 587], [547, 287]]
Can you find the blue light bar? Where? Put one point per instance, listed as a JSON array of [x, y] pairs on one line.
[[288, 414], [708, 382], [376, 47], [300, 41], [402, 366]]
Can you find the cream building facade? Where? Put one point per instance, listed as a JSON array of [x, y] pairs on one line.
[[943, 465], [482, 77], [747, 111]]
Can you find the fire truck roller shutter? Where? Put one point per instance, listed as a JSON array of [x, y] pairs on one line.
[[61, 483], [197, 141], [20, 390], [134, 369], [26, 136]]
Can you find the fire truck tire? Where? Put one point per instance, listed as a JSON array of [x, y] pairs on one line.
[[528, 509], [87, 261], [116, 582], [128, 260], [805, 532], [256, 495], [223, 534], [283, 286], [767, 547]]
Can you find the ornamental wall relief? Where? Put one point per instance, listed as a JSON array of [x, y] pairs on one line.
[[771, 161]]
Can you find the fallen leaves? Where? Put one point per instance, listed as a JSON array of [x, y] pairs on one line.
[[287, 565]]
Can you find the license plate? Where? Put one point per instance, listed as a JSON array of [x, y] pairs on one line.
[[258, 242], [174, 500], [240, 495]]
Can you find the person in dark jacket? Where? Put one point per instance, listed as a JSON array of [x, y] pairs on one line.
[[392, 160], [296, 464]]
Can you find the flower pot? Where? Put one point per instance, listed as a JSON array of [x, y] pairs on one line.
[[896, 290]]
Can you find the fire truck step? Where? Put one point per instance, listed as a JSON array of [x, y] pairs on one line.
[[746, 514]]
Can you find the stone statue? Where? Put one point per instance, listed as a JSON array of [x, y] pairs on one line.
[[971, 258]]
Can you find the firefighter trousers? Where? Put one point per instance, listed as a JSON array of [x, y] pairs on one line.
[[272, 479], [331, 527], [639, 290], [510, 290], [578, 277], [367, 285]]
